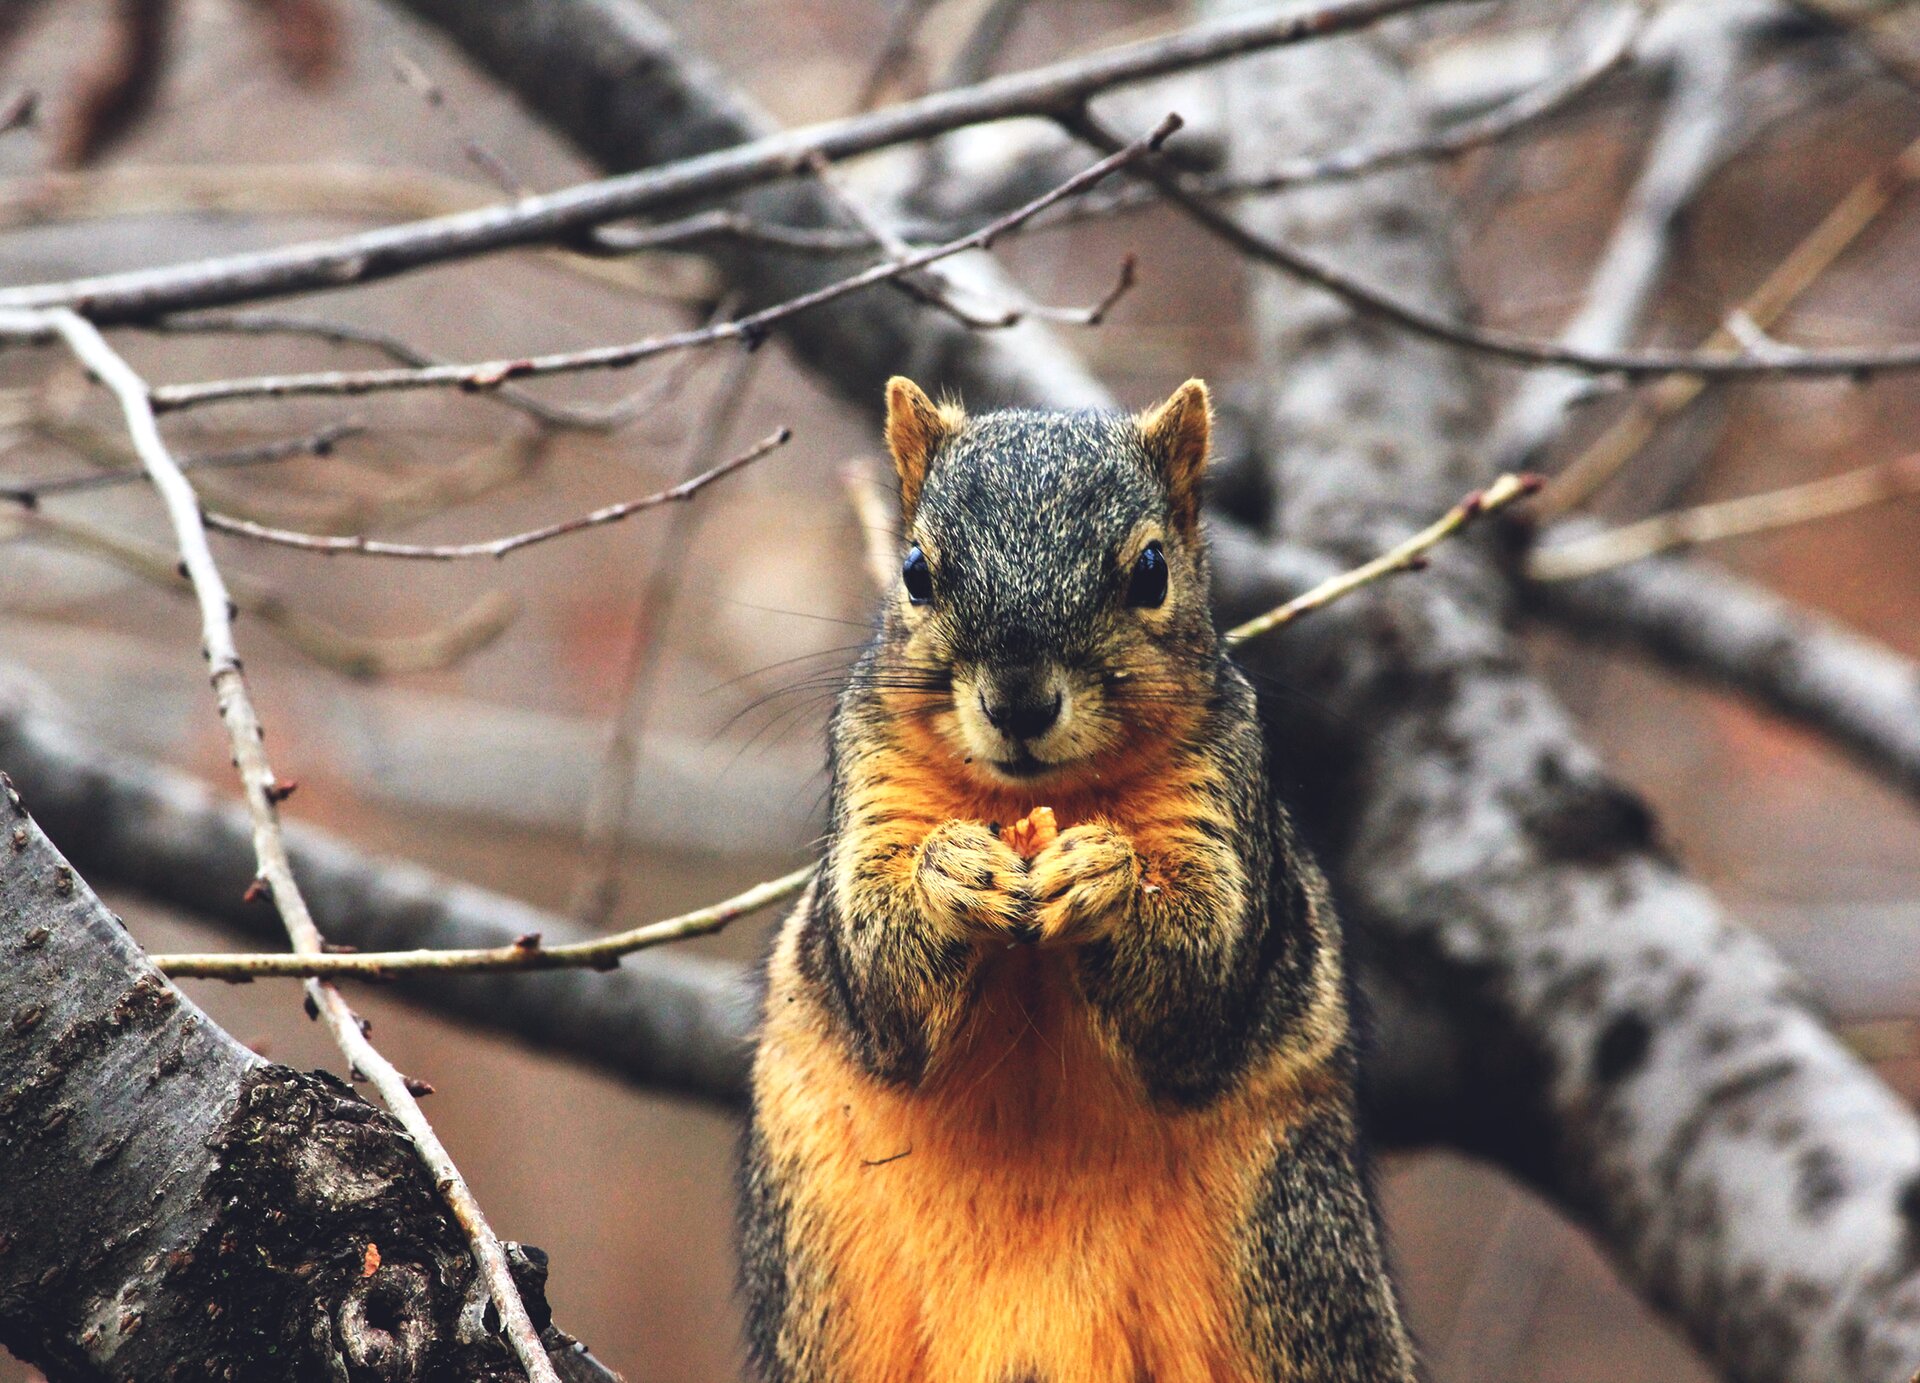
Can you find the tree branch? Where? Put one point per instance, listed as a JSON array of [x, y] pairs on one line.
[[263, 795], [1705, 622], [1626, 1046], [497, 547], [176, 1206], [750, 330], [668, 1022], [373, 255]]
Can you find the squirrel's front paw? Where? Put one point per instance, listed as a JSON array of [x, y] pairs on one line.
[[967, 879], [1083, 882]]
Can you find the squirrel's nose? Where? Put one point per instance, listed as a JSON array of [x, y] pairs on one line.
[[1023, 717]]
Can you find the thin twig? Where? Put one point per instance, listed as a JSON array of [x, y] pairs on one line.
[[1407, 556], [494, 547], [939, 292], [394, 348], [1702, 107], [932, 288], [320, 442], [897, 46], [751, 329], [1607, 454], [263, 791], [1493, 343], [602, 953], [354, 655], [414, 77], [1607, 55], [570, 212], [1707, 523], [427, 492], [610, 797], [278, 189]]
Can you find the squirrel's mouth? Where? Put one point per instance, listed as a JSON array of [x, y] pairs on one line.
[[1025, 766]]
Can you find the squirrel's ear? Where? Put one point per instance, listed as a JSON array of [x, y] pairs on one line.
[[916, 426], [1176, 435]]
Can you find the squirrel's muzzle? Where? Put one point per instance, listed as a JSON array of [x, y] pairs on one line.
[[1026, 714]]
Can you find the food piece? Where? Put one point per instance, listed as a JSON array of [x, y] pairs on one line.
[[1032, 833]]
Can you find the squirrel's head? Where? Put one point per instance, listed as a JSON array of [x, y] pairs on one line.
[[1052, 605]]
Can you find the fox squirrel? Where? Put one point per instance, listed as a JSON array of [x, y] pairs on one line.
[[1061, 1096]]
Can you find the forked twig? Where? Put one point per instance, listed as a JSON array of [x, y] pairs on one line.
[[751, 329]]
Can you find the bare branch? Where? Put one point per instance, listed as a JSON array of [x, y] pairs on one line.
[[610, 797], [320, 442], [373, 255], [1607, 454], [1510, 347], [751, 329], [495, 547], [1604, 56], [1570, 558], [1408, 555], [394, 348], [897, 47], [263, 794], [1709, 45], [1704, 621], [665, 1020], [602, 953], [356, 655]]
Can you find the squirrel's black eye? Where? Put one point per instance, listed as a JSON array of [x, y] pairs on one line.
[[918, 576], [1148, 586]]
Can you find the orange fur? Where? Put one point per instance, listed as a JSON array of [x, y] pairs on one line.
[[1027, 1208]]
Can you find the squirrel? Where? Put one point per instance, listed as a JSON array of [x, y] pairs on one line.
[[1085, 1116]]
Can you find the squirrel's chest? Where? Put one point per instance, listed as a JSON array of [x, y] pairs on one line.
[[1026, 1213]]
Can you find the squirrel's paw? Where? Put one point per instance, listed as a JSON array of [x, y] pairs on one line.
[[1083, 882], [968, 880]]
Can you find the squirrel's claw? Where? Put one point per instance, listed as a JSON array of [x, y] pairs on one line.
[[969, 882]]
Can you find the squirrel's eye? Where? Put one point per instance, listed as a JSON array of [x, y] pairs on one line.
[[1148, 586], [918, 576]]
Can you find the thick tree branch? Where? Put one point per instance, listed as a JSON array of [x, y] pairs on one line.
[[669, 1022], [1705, 622], [373, 255], [263, 794], [1630, 1049], [176, 1207]]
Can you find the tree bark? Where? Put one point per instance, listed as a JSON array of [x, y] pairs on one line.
[[176, 1208], [1702, 620], [1644, 1060]]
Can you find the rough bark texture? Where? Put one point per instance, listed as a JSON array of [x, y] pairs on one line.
[[176, 1208], [1647, 1062], [1617, 1039]]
